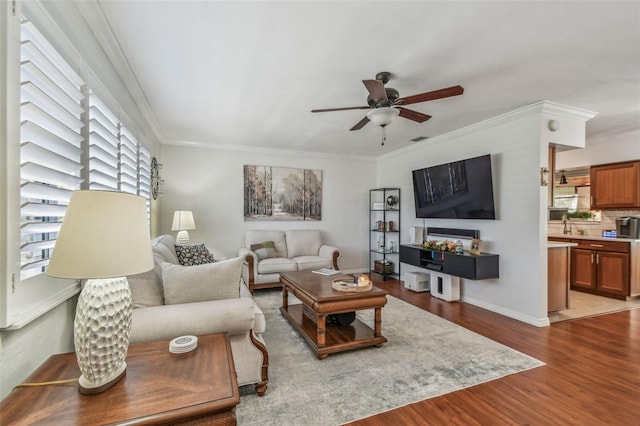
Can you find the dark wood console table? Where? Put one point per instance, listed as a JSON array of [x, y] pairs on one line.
[[198, 387], [471, 266]]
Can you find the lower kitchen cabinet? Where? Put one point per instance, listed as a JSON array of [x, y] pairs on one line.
[[596, 269]]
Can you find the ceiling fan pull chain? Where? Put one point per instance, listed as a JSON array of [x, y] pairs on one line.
[[384, 134]]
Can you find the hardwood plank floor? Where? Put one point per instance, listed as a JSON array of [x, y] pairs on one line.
[[591, 376]]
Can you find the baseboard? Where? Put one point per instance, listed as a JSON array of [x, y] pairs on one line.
[[538, 322]]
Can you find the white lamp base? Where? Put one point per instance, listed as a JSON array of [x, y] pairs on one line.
[[182, 238], [101, 333]]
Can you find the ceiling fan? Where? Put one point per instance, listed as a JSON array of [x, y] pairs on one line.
[[385, 103]]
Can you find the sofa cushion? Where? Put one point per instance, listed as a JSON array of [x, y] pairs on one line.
[[211, 281], [146, 288], [276, 265], [164, 249], [195, 254], [265, 250], [312, 262], [303, 242], [259, 236]]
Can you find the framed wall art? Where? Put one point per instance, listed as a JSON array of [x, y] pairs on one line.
[[282, 193]]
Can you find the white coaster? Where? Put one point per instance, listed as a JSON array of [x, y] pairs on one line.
[[183, 344]]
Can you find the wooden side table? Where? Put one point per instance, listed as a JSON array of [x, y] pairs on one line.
[[198, 387]]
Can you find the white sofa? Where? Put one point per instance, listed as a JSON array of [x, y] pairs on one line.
[[173, 300], [295, 250]]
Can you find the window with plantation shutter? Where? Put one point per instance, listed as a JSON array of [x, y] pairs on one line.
[[103, 146], [128, 161], [50, 146], [144, 177]]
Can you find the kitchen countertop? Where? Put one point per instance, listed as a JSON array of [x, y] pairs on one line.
[[560, 244], [591, 237]]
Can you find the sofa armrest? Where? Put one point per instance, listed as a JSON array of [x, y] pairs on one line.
[[235, 316], [249, 267], [332, 253]]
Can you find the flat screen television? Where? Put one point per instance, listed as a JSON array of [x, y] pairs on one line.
[[459, 190]]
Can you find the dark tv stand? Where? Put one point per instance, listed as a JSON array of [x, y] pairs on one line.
[[483, 266]]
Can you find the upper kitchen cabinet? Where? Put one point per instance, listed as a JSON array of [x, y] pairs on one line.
[[615, 186]]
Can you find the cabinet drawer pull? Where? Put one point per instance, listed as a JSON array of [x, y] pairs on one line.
[[596, 245], [597, 259], [591, 257]]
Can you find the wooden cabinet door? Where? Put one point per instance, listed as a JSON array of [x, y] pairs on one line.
[[583, 269], [615, 185], [612, 272]]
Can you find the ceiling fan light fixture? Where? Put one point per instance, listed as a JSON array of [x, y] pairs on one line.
[[382, 116]]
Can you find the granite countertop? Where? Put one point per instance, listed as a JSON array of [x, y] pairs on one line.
[[591, 237]]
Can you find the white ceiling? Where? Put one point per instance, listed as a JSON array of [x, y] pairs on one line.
[[249, 73]]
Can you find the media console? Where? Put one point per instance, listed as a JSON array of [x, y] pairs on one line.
[[474, 267]]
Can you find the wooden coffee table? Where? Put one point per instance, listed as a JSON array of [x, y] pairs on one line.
[[319, 300], [198, 387]]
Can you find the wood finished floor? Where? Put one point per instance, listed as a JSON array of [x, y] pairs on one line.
[[591, 376]]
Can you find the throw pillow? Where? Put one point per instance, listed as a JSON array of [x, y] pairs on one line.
[[189, 255], [265, 250], [199, 283]]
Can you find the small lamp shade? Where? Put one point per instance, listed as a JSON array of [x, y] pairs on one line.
[[183, 222]]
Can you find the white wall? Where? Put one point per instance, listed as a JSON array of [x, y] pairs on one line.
[[209, 182], [612, 150], [23, 350], [518, 145]]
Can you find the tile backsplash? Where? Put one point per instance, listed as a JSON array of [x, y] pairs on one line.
[[592, 228]]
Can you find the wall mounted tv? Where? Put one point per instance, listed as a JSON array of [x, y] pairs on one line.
[[459, 190]]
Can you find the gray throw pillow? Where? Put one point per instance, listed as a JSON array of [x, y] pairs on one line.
[[197, 254], [199, 283], [265, 250]]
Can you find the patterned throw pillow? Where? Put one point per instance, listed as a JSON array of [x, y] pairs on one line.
[[265, 250], [189, 255]]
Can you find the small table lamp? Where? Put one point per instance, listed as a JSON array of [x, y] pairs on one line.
[[104, 237], [183, 222]]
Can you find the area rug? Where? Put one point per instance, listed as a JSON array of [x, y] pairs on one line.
[[425, 356]]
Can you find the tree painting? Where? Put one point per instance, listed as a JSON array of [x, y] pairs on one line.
[[281, 193]]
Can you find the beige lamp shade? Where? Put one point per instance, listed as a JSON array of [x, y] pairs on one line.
[[183, 221], [104, 234]]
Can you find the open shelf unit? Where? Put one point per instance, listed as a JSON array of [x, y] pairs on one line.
[[384, 232]]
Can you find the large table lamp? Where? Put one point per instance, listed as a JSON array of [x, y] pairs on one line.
[[104, 237], [183, 222]]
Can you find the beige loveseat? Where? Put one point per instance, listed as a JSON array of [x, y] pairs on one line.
[[173, 300], [267, 253]]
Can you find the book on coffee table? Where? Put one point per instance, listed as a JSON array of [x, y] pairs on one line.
[[326, 271]]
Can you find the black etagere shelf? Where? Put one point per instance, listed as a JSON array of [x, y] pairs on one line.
[[384, 232]]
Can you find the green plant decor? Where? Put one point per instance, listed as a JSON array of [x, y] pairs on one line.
[[585, 214]]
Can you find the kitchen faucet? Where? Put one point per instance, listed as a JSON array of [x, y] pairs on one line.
[[567, 225]]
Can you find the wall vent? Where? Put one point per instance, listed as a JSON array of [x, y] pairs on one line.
[[419, 138]]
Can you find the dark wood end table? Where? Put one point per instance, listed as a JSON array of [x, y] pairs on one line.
[[198, 387]]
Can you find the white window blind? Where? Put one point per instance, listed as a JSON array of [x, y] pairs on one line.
[[128, 161], [103, 146], [144, 177], [50, 146]]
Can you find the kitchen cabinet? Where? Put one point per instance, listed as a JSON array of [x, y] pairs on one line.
[[615, 186], [558, 275], [601, 267]]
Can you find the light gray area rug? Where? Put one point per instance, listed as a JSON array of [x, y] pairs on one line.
[[425, 356]]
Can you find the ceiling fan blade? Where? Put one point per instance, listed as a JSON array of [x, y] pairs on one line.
[[360, 124], [431, 96], [376, 89], [413, 115], [340, 109]]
